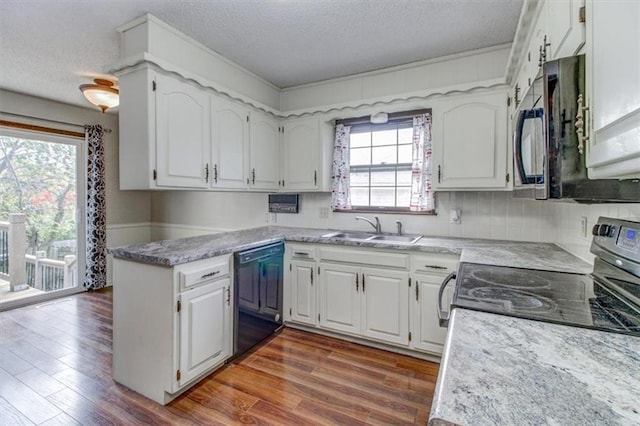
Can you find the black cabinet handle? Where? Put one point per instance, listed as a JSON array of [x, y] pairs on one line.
[[435, 266], [210, 274], [357, 282], [206, 173], [363, 282]]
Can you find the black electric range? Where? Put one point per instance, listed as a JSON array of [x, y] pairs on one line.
[[607, 299]]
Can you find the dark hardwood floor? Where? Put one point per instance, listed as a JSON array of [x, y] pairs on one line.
[[55, 369]]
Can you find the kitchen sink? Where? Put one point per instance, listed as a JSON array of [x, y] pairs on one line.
[[364, 236], [399, 238], [350, 235]]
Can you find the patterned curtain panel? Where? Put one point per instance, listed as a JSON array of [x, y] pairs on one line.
[[422, 196], [96, 270], [340, 177]]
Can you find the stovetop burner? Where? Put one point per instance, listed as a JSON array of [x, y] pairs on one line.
[[512, 278], [513, 300], [608, 299]]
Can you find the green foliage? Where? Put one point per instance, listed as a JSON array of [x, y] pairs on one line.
[[39, 179]]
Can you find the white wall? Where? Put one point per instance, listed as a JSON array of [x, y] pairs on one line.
[[461, 71], [567, 219]]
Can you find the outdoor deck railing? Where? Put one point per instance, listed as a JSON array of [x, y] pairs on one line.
[[36, 271], [50, 274], [4, 250]]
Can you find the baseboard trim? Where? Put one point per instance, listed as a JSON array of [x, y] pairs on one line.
[[402, 351]]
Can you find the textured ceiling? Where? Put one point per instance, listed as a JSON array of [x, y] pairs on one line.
[[49, 47]]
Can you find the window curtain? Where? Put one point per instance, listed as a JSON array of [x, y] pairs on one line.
[[340, 176], [422, 197], [96, 263]]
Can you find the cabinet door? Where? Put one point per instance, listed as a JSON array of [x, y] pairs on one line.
[[613, 70], [565, 32], [205, 328], [271, 287], [303, 293], [264, 152], [301, 150], [427, 335], [182, 134], [386, 305], [229, 145], [340, 300], [470, 142]]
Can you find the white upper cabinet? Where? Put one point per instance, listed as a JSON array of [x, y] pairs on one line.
[[164, 132], [565, 28], [613, 78], [182, 133], [301, 154], [229, 145], [264, 152], [306, 153], [470, 142]]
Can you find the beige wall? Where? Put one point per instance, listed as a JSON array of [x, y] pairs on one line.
[[122, 206], [210, 211], [128, 212]]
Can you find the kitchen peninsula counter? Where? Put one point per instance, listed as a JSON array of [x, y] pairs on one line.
[[504, 370], [545, 256]]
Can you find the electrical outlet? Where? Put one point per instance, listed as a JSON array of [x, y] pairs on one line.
[[267, 217], [274, 217], [454, 216], [324, 212], [583, 227]]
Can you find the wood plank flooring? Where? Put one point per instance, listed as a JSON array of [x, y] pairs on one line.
[[55, 369]]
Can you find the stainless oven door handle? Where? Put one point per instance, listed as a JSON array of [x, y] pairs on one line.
[[443, 317]]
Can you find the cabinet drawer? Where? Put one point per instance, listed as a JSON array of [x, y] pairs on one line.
[[367, 257], [434, 263], [301, 252], [193, 274]]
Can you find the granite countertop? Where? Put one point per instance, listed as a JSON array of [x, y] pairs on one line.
[[503, 370], [502, 253]]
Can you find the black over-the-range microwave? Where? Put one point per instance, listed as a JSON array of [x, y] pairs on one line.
[[549, 162]]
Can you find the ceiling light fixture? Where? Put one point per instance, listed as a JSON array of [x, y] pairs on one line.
[[101, 94]]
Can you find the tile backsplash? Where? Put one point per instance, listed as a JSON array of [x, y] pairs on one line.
[[490, 215]]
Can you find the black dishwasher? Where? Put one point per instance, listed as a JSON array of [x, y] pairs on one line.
[[258, 295]]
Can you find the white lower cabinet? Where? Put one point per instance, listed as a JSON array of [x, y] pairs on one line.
[[339, 298], [369, 302], [171, 325], [303, 292], [367, 293], [427, 335], [205, 324], [386, 304]]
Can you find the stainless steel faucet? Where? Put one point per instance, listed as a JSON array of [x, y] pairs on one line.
[[399, 227], [375, 225]]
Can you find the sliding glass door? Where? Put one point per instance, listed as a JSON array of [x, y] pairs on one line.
[[42, 226]]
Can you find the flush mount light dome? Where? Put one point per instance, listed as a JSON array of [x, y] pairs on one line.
[[379, 118], [101, 94]]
